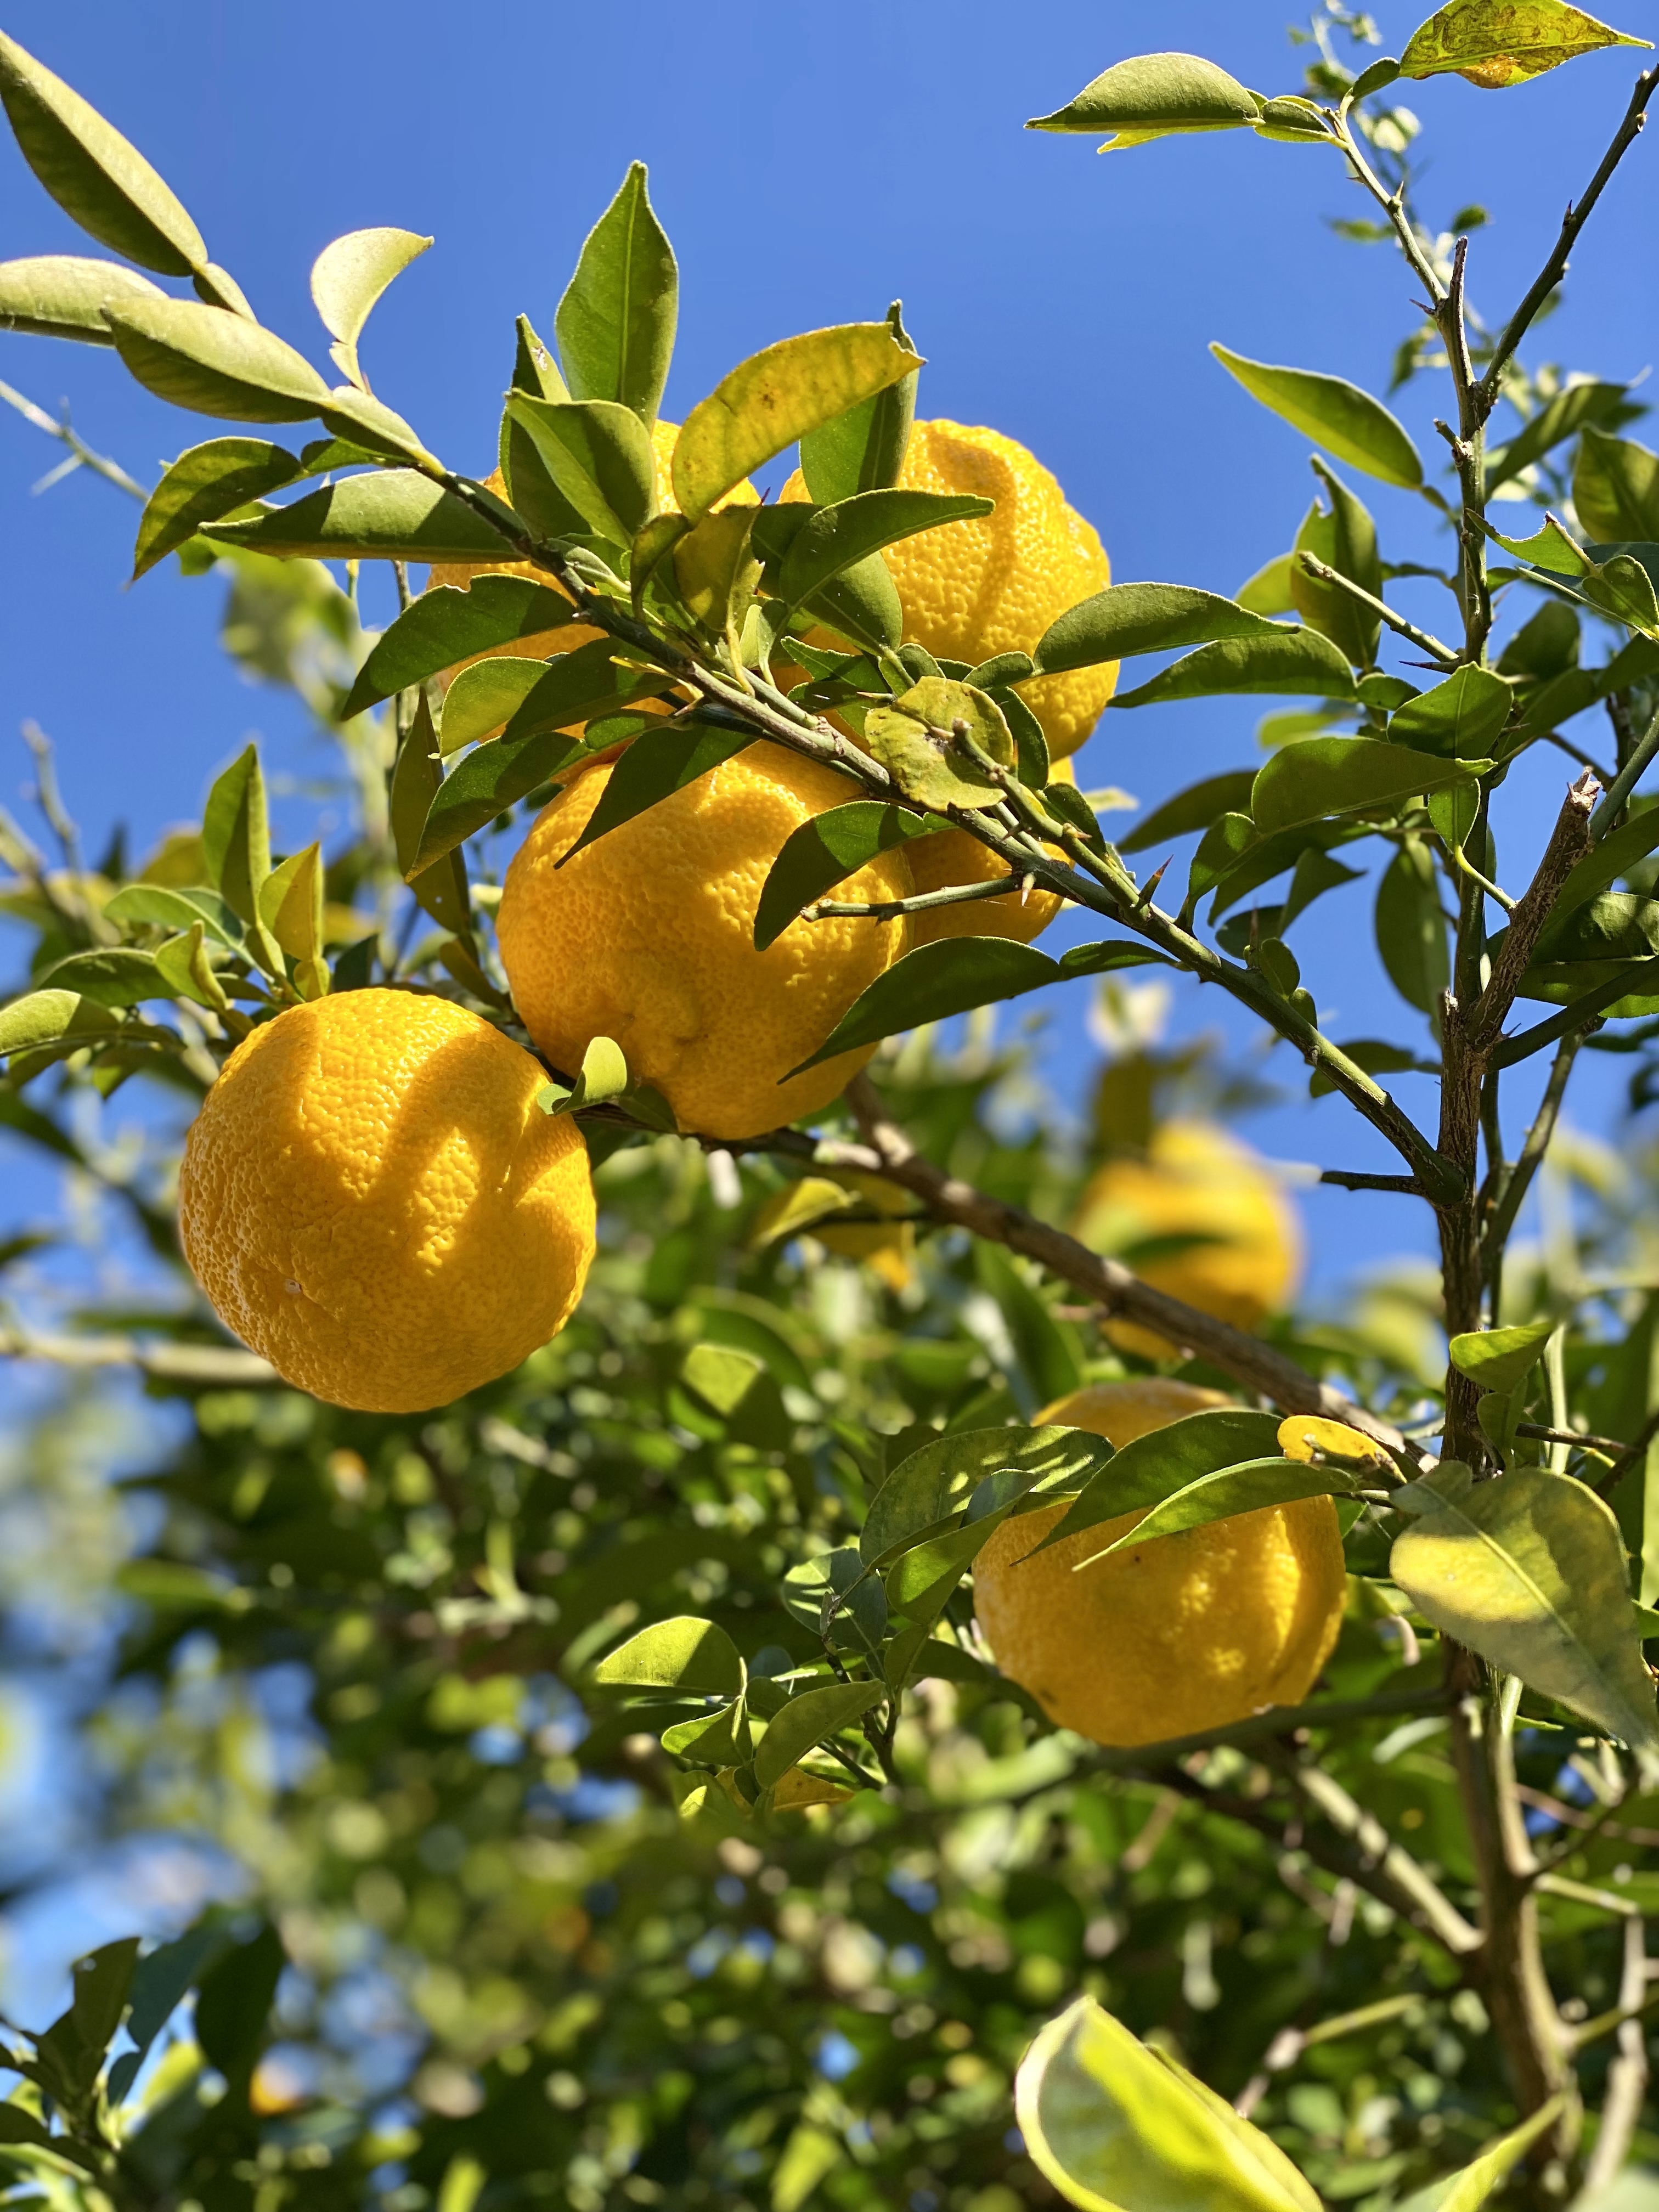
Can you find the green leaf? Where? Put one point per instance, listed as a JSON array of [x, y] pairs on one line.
[[93, 173], [955, 974], [1167, 1461], [778, 396], [1268, 592], [950, 1475], [1195, 808], [437, 880], [214, 363], [186, 972], [915, 740], [1556, 420], [168, 909], [451, 623], [1288, 662], [1528, 1571], [62, 295], [1342, 418], [291, 908], [836, 537], [1232, 1490], [598, 454], [111, 976], [804, 1722], [1459, 719], [1320, 777], [1498, 1359], [233, 2001], [717, 569], [1411, 927], [712, 1739], [348, 276], [826, 850], [1496, 43], [1615, 488], [1116, 2126], [1612, 926], [17, 2126], [721, 1374], [1344, 537], [603, 1076], [485, 696], [1474, 2184], [236, 835], [615, 323], [1129, 618], [1552, 548], [485, 784], [205, 484], [396, 514], [1618, 853], [101, 1982], [160, 1982], [861, 604], [1154, 95], [654, 769], [686, 1653], [863, 450]]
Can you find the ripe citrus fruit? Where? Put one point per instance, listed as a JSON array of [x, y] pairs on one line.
[[372, 1199], [648, 936], [950, 857], [1195, 1182], [664, 437], [972, 589], [1187, 1633]]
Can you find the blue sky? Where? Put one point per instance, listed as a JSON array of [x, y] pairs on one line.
[[810, 165]]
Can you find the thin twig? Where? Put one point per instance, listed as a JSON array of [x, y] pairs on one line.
[[1424, 639], [215, 1364], [1627, 2076], [1353, 1179], [919, 903], [1634, 1452], [81, 454], [1569, 843], [1518, 1179]]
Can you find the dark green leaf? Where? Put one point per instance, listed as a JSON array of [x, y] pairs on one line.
[[1411, 927], [1615, 489], [615, 325], [449, 624], [205, 484], [93, 173], [236, 835], [1287, 662], [807, 1720], [1345, 420], [654, 769], [824, 851], [234, 2000], [1611, 926], [1156, 1466], [576, 686], [1045, 1349], [1546, 646], [1152, 95], [1129, 618], [1459, 719], [1195, 808], [160, 1982], [1320, 777], [1344, 537], [62, 295], [863, 450], [861, 604], [17, 2126], [111, 976], [395, 515], [486, 783], [833, 538], [438, 879], [686, 1653], [214, 363], [777, 396], [598, 454], [1556, 420], [1498, 42], [957, 973], [976, 1472], [1245, 1488], [1618, 853]]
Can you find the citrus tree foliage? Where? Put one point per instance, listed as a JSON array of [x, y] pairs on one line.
[[660, 1788]]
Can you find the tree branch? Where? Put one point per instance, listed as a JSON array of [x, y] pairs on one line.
[[1569, 840], [1424, 639], [217, 1365]]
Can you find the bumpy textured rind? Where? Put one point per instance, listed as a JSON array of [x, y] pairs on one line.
[[1190, 1632], [994, 585], [1198, 1181], [372, 1199], [648, 936]]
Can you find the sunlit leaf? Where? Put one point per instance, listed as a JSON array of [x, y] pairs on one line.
[[598, 454], [214, 363], [208, 482], [1319, 776], [348, 276], [836, 537], [62, 295], [447, 624], [1129, 618], [1345, 420], [1153, 95], [1498, 42], [1196, 808], [949, 1475], [484, 696], [687, 1653], [394, 515], [805, 1722], [1459, 719], [1290, 663], [823, 852], [1498, 1359], [615, 323]]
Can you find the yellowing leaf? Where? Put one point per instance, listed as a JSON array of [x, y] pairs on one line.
[[798, 1790], [1308, 1436], [774, 398], [1118, 2128], [1496, 43]]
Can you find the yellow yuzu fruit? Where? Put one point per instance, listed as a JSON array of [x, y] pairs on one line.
[[1195, 1180], [648, 936], [993, 585], [950, 857], [372, 1199], [1187, 1633]]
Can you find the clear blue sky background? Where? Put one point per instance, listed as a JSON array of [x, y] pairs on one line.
[[810, 164]]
